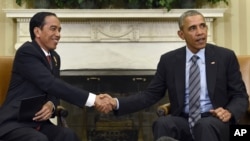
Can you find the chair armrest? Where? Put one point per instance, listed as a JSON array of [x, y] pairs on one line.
[[61, 114], [248, 110], [163, 110], [61, 111]]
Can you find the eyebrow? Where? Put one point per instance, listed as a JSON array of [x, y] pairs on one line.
[[55, 26]]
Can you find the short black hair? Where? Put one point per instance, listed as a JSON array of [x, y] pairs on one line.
[[38, 20], [187, 14]]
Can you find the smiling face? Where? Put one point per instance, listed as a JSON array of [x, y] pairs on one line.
[[194, 32], [48, 35]]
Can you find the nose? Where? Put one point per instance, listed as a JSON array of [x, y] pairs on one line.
[[200, 30], [58, 33]]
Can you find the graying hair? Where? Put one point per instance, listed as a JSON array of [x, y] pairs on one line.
[[187, 14], [166, 138]]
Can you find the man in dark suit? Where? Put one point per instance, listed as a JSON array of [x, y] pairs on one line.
[[222, 94], [34, 75]]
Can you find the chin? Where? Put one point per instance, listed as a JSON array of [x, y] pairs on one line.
[[52, 47], [203, 45]]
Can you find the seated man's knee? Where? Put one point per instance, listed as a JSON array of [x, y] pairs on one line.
[[160, 122], [211, 128], [206, 124], [162, 127], [203, 123]]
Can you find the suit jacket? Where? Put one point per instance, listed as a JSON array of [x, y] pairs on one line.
[[224, 83], [33, 76]]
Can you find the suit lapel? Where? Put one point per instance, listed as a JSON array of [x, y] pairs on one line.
[[54, 60], [180, 66], [42, 53], [55, 63], [211, 69]]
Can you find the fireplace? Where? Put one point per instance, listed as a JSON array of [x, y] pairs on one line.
[[91, 125], [113, 38]]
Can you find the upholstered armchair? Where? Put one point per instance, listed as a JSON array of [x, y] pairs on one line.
[[5, 75], [244, 61]]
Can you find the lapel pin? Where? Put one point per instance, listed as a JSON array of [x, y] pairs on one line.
[[213, 63], [55, 60]]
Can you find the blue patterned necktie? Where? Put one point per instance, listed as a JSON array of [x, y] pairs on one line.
[[194, 92]]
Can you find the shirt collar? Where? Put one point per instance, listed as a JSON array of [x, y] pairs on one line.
[[45, 52], [200, 53]]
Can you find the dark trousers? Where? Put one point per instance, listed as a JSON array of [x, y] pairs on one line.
[[47, 132], [206, 129]]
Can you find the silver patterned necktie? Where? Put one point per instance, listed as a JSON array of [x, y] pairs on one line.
[[194, 92]]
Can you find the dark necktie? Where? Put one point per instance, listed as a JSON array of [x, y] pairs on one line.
[[194, 92], [49, 60]]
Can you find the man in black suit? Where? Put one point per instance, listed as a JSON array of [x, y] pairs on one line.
[[223, 97], [34, 75]]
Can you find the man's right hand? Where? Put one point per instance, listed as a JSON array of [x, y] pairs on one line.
[[105, 103]]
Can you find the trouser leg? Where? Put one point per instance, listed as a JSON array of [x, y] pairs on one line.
[[58, 133], [211, 129], [25, 134], [172, 126]]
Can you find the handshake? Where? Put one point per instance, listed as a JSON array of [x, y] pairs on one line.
[[105, 103]]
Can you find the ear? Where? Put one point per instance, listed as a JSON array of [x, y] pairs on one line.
[[181, 35], [37, 31]]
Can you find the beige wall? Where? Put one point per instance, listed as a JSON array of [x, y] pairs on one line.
[[231, 31], [7, 31]]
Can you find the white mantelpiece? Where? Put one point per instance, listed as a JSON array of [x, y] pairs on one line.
[[113, 38]]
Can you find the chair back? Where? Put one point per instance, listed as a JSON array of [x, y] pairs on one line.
[[244, 61], [6, 63]]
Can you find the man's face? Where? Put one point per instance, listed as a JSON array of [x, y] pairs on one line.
[[194, 32], [48, 36]]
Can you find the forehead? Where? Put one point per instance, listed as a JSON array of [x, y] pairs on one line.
[[193, 20], [51, 20]]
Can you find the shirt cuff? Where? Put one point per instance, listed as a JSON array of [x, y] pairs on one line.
[[117, 104], [91, 100]]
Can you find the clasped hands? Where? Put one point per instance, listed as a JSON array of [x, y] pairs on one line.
[[105, 103]]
